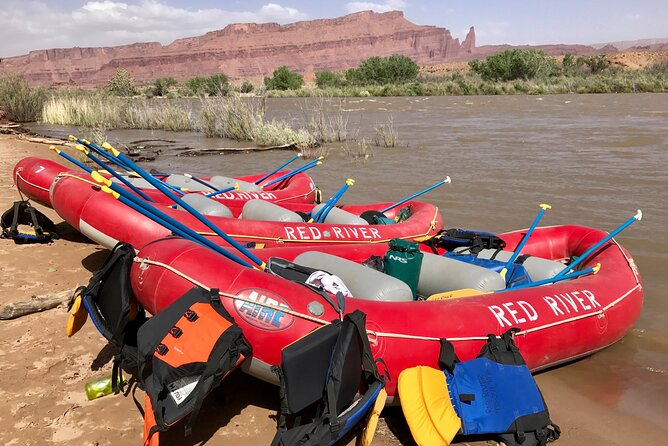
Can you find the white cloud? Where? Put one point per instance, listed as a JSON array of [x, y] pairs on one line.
[[388, 5], [32, 25]]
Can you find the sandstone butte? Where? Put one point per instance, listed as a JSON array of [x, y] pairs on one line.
[[250, 50]]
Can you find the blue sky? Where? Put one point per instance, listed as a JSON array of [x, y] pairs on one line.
[[36, 24]]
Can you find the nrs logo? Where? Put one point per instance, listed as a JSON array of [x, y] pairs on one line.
[[398, 259], [263, 309]]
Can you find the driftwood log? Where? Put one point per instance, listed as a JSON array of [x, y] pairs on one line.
[[195, 152], [35, 304]]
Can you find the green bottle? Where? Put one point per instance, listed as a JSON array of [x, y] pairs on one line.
[[99, 387]]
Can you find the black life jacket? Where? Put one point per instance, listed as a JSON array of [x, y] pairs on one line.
[[476, 241], [25, 224], [338, 359], [175, 371]]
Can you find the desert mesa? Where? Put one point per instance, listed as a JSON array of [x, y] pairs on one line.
[[250, 50]]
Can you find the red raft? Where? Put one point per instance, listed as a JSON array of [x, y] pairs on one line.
[[107, 221], [33, 176], [558, 322]]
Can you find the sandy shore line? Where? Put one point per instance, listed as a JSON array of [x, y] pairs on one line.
[[43, 372]]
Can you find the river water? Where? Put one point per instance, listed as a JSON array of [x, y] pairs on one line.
[[594, 158]]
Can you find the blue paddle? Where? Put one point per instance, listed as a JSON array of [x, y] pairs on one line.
[[573, 275], [200, 181], [587, 253], [297, 156], [95, 148], [543, 207], [70, 159], [161, 218], [320, 216], [222, 191], [417, 194], [157, 184], [106, 167], [311, 164]]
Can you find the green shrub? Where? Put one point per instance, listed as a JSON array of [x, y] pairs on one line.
[[383, 70], [20, 102], [214, 85], [162, 85], [284, 79], [515, 64], [595, 64], [325, 79], [246, 87], [121, 83]]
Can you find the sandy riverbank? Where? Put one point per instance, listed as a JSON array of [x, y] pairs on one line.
[[43, 372]]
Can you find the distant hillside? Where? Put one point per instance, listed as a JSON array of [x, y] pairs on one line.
[[249, 50], [650, 44]]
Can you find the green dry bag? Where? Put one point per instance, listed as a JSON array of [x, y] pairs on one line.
[[403, 261]]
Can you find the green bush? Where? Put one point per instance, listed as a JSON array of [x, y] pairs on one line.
[[384, 70], [121, 83], [284, 79], [596, 64], [246, 87], [214, 85], [515, 64], [326, 79], [162, 85], [20, 102]]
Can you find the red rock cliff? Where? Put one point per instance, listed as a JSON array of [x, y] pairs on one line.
[[249, 50]]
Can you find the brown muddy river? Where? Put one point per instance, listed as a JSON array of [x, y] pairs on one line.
[[594, 158]]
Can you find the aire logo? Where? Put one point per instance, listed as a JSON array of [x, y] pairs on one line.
[[263, 309]]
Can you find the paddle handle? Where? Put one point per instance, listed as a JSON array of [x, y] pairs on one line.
[[70, 159], [297, 156], [605, 239], [417, 194], [311, 164], [543, 207], [120, 178], [158, 185]]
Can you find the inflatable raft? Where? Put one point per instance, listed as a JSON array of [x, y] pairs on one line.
[[33, 176], [558, 322], [99, 216]]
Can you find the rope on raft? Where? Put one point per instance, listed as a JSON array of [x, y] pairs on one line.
[[378, 334]]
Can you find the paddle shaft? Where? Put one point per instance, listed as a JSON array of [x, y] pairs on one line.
[[100, 151], [605, 239], [554, 279], [516, 253], [415, 195], [120, 178], [116, 160], [170, 223], [201, 181], [278, 168], [222, 191], [157, 184], [311, 164], [320, 216], [72, 160]]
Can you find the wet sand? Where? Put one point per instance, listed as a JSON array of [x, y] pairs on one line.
[[43, 372]]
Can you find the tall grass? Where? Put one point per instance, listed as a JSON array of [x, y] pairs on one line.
[[243, 119], [21, 102]]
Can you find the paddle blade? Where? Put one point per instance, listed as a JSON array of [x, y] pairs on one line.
[[77, 316], [456, 294], [366, 437]]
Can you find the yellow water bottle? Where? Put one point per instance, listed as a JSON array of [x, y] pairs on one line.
[[99, 387]]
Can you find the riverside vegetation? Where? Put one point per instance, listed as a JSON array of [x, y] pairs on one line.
[[238, 112]]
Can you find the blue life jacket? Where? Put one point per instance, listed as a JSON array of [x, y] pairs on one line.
[[496, 394]]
